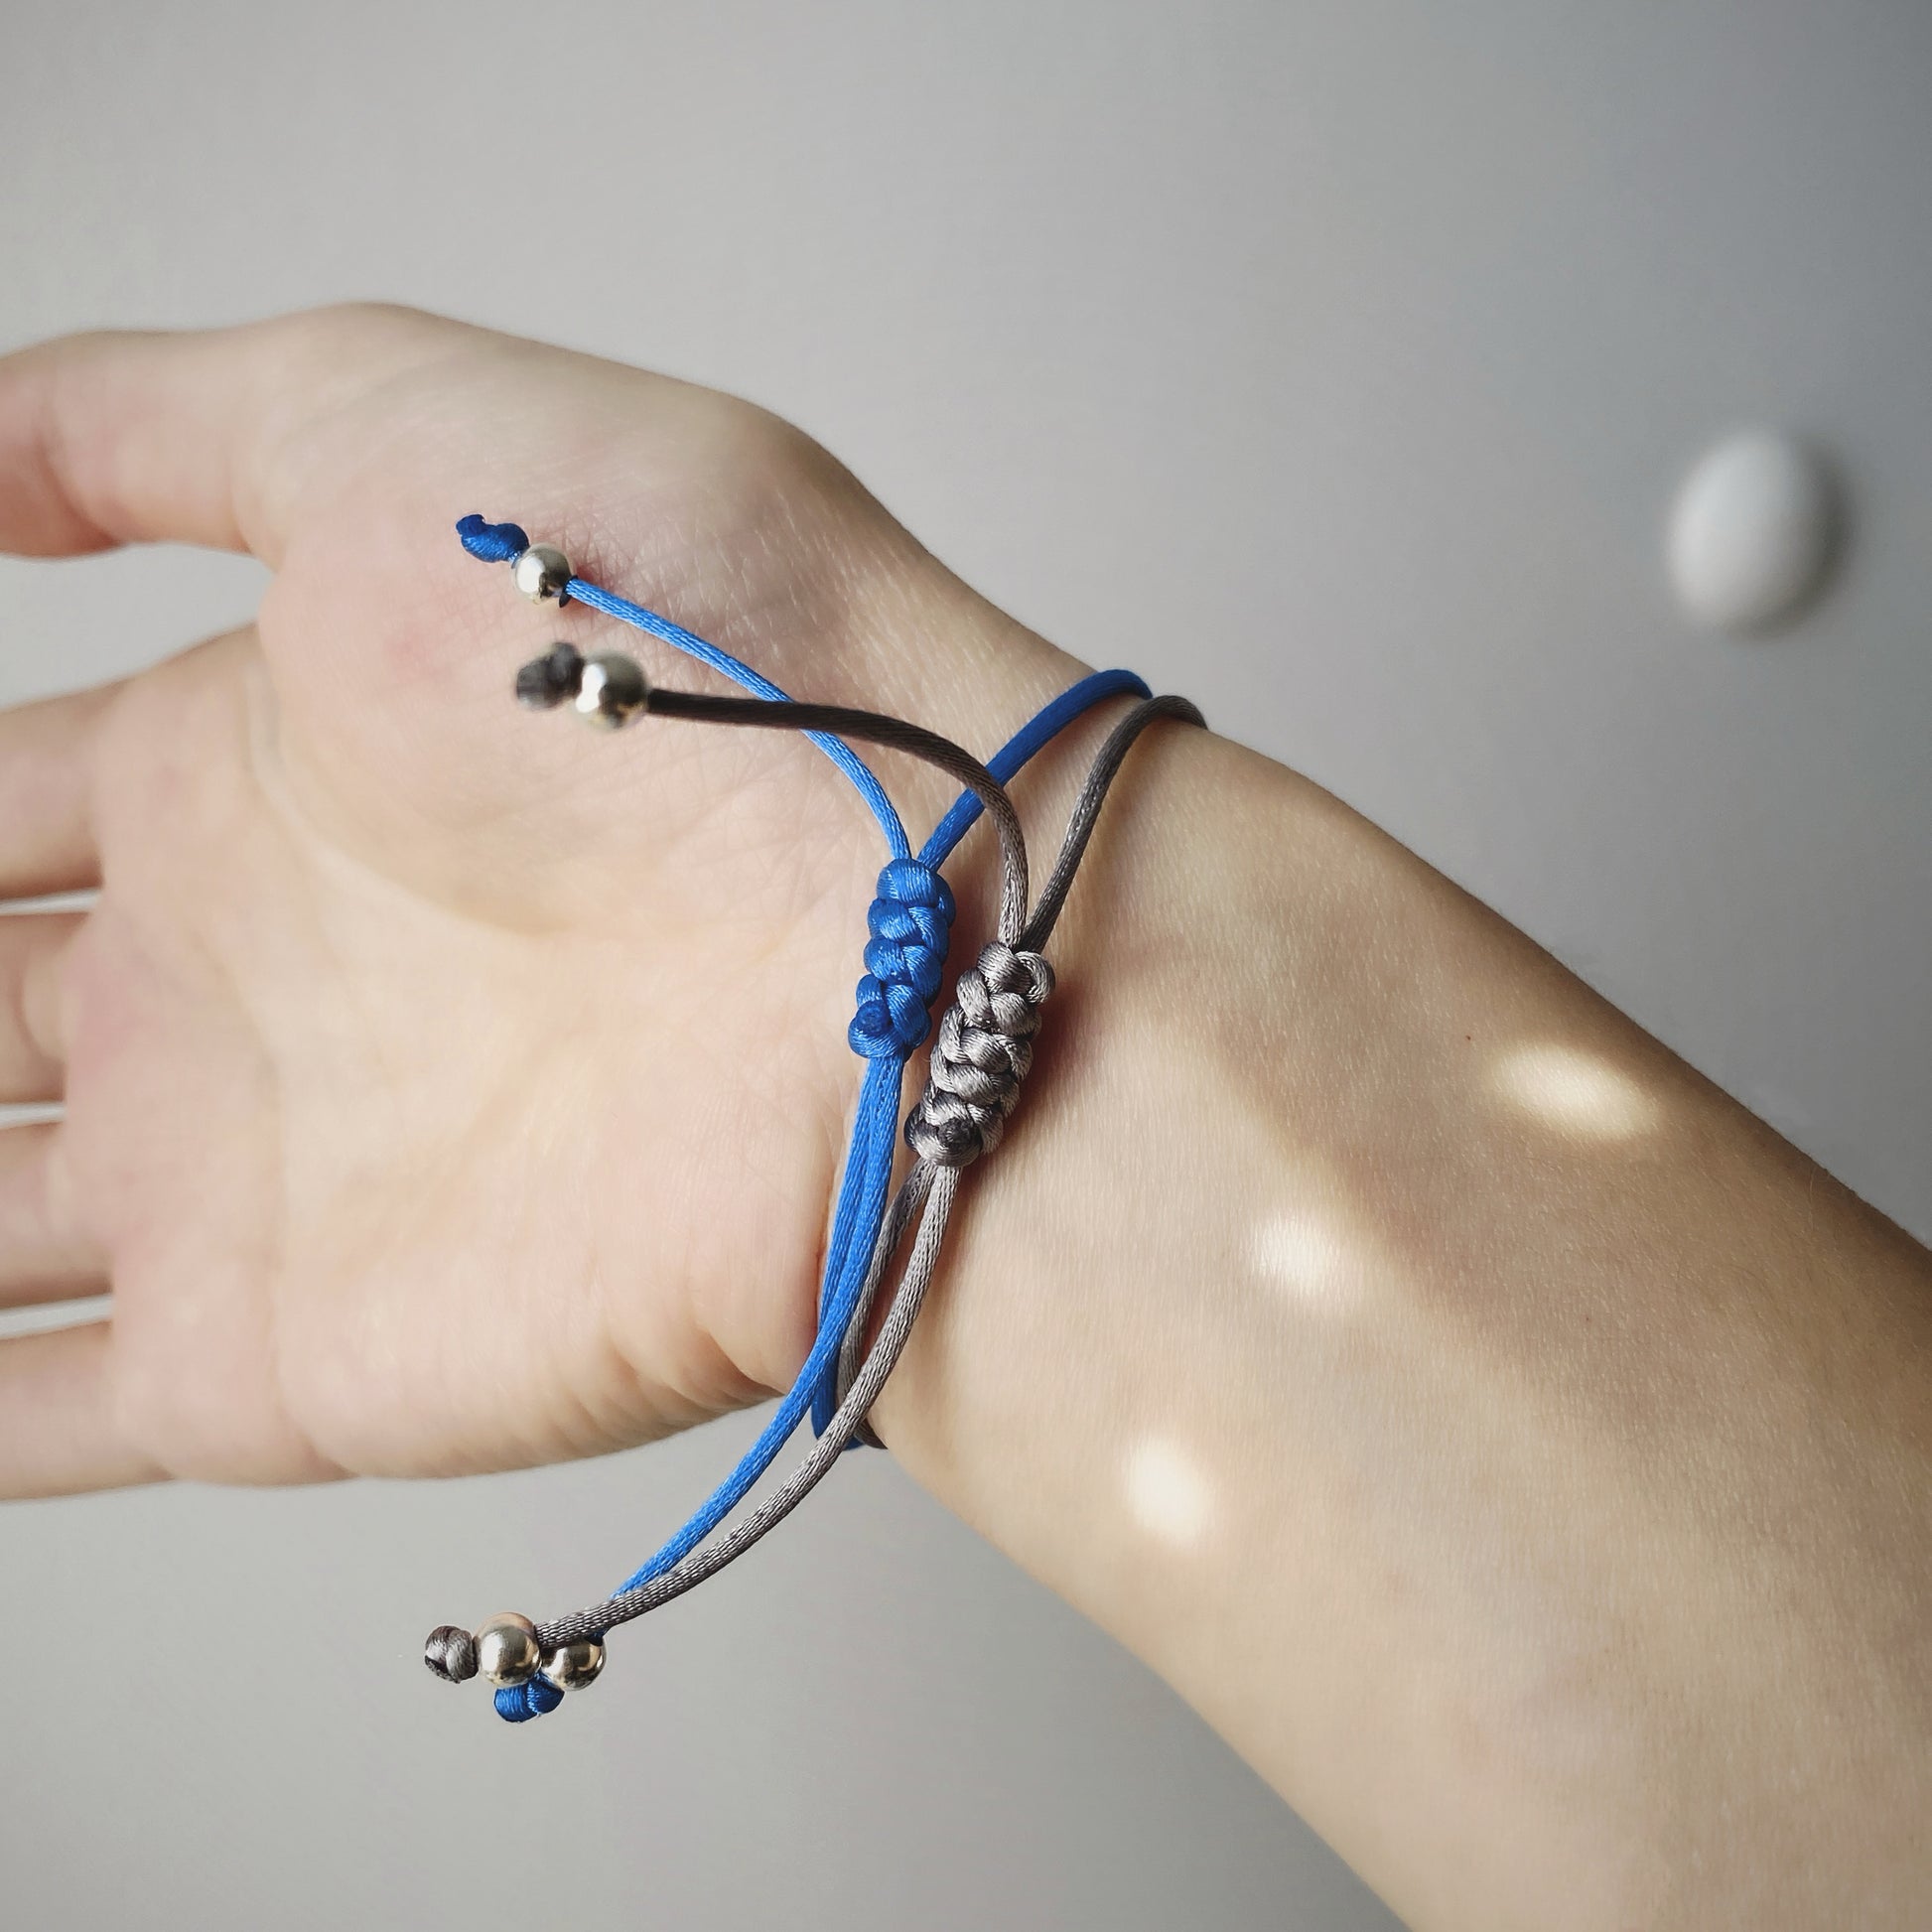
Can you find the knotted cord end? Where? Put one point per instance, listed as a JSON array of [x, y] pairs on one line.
[[517, 1703], [450, 1653], [493, 543]]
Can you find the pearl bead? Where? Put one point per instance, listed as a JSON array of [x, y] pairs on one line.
[[542, 572], [573, 1664], [611, 691], [507, 1650]]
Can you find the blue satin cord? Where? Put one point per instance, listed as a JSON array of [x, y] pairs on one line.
[[909, 921], [500, 543]]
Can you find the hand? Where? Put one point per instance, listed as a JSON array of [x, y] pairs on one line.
[[447, 1088]]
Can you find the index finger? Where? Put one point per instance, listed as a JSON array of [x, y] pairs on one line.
[[181, 438]]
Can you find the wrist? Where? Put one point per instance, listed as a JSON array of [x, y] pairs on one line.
[[1370, 1328], [1104, 1206]]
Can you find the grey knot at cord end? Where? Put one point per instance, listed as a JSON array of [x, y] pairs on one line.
[[984, 1047], [450, 1653]]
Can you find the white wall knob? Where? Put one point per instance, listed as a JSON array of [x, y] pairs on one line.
[[1751, 532]]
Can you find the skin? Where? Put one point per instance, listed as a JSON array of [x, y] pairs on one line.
[[1514, 1448]]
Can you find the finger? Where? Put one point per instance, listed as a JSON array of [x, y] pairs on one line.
[[187, 437], [47, 840], [46, 1255], [58, 1430], [31, 1056]]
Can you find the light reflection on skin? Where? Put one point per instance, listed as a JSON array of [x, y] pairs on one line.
[[1572, 1091], [1167, 1494], [1309, 1252]]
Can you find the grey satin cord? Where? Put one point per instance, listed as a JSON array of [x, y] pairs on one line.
[[1101, 773], [980, 1054]]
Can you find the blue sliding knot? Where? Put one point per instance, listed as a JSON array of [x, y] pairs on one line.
[[495, 543], [906, 958], [517, 1703]]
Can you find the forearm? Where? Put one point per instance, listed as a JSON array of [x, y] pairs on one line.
[[1509, 1445]]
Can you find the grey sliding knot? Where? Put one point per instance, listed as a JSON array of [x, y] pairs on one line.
[[984, 1047], [450, 1653]]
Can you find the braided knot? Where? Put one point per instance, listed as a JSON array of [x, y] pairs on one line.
[[984, 1049], [911, 922]]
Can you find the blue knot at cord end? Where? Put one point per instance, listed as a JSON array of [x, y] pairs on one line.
[[495, 543], [517, 1703], [911, 922]]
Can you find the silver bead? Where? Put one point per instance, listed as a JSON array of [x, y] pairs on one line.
[[611, 691], [573, 1664], [540, 573], [506, 1649]]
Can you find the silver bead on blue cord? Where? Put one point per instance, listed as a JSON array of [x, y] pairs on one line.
[[542, 573]]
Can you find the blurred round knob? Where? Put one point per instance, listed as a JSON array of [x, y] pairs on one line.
[[1751, 532], [506, 1649], [550, 680]]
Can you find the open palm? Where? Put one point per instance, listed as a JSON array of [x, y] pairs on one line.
[[445, 1087]]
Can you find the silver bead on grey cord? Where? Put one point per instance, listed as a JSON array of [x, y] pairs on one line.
[[571, 1666], [611, 691], [507, 1649]]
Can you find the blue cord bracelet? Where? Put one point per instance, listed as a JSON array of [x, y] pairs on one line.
[[909, 924]]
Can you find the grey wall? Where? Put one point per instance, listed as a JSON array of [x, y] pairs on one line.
[[1332, 363]]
